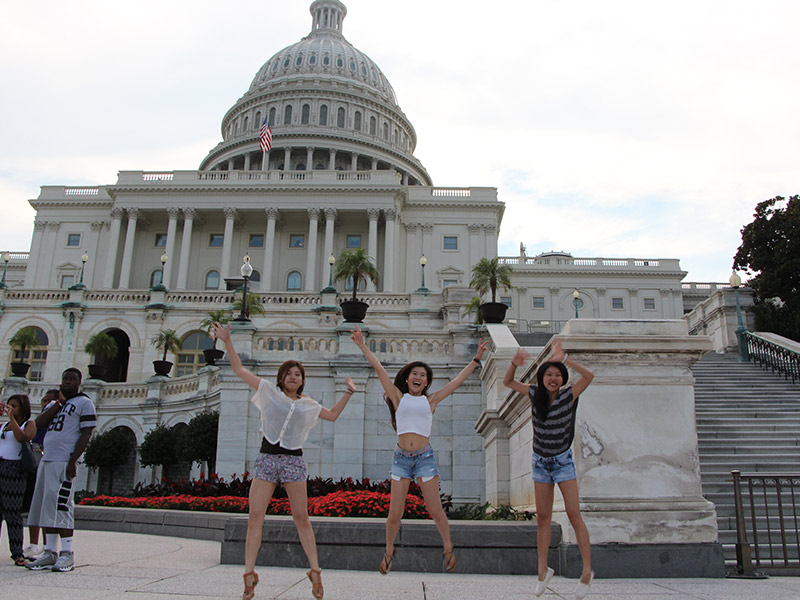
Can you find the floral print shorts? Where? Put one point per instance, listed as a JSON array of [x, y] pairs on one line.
[[280, 468]]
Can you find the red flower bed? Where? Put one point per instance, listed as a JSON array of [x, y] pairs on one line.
[[336, 504]]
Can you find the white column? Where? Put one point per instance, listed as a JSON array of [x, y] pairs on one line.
[[374, 164], [287, 159], [90, 274], [372, 241], [247, 161], [172, 228], [227, 245], [37, 250], [388, 251], [491, 240], [265, 161], [474, 247], [51, 247], [269, 247], [113, 247], [186, 247], [413, 250], [353, 161], [311, 250], [127, 253], [427, 234], [309, 159], [330, 219], [332, 159]]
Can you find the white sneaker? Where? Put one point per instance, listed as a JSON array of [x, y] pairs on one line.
[[583, 588], [541, 586], [32, 551], [46, 559], [65, 562]]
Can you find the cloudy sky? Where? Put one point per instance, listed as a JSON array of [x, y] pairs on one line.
[[614, 129]]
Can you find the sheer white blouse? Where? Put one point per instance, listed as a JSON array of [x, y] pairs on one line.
[[285, 421]]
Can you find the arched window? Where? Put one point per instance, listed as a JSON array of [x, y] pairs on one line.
[[246, 123], [212, 280], [357, 120], [155, 278], [256, 276], [190, 356], [323, 114], [294, 282], [372, 125], [287, 115], [258, 119], [272, 116], [340, 118], [305, 114], [35, 357], [386, 131]]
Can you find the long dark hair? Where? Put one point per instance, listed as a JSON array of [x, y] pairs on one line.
[[24, 406], [284, 369], [541, 399], [401, 383]]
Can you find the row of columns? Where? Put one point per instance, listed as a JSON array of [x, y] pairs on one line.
[[272, 213]]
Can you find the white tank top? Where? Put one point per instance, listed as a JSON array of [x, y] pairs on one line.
[[414, 415]]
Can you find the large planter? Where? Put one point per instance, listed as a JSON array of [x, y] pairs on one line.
[[212, 355], [493, 312], [162, 367], [354, 311], [97, 371], [19, 369]]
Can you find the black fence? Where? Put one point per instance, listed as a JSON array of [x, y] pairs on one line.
[[773, 357]]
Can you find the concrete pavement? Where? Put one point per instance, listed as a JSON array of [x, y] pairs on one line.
[[112, 565]]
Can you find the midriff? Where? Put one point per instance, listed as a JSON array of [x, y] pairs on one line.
[[411, 442]]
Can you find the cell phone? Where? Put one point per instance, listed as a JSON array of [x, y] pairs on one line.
[[2, 408]]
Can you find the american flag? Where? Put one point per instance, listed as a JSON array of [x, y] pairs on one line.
[[265, 136]]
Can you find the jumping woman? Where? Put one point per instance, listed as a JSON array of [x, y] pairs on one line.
[[412, 408], [553, 405], [287, 416]]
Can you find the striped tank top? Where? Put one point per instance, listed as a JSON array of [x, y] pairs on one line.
[[554, 435]]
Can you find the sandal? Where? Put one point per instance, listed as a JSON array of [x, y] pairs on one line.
[[20, 561], [449, 562], [386, 562], [250, 590], [316, 586]]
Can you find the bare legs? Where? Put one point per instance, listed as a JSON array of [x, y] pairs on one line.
[[260, 495], [397, 505], [299, 502], [544, 515], [433, 502]]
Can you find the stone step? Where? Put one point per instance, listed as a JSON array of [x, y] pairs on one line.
[[751, 444]]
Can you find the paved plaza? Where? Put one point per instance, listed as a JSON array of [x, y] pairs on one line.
[[113, 565]]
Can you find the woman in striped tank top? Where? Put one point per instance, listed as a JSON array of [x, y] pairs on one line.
[[553, 408]]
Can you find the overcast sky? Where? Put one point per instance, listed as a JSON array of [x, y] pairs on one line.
[[614, 129]]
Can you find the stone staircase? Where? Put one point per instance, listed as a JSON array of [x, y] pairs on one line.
[[747, 419]]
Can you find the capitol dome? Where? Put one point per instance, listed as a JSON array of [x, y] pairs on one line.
[[330, 107]]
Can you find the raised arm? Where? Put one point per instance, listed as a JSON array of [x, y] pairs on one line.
[[453, 385], [388, 385], [520, 356], [586, 375], [21, 434], [333, 413], [224, 335]]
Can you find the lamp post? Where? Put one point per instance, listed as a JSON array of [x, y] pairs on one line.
[[246, 270], [422, 262], [741, 343], [6, 258], [330, 289], [576, 301], [160, 287], [79, 285]]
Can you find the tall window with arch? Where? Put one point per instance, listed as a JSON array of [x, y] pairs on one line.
[[305, 114], [294, 281], [36, 357], [155, 277], [212, 280], [272, 113], [287, 115], [340, 117], [323, 114], [372, 126], [357, 120], [190, 357], [246, 123], [386, 131]]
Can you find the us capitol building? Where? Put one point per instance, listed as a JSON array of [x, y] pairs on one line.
[[341, 174]]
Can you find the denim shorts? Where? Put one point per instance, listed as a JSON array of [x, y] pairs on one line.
[[553, 469], [277, 468], [411, 465]]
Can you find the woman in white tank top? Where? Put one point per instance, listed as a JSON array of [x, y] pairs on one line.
[[412, 408]]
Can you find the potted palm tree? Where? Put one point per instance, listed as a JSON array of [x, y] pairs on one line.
[[103, 348], [22, 340], [473, 307], [253, 305], [213, 354], [166, 340], [487, 275], [354, 264]]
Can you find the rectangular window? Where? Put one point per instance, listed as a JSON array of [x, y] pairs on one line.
[[297, 240], [67, 281], [649, 303], [538, 302], [161, 240], [353, 241], [74, 240], [447, 282], [450, 242], [506, 300], [617, 304], [256, 240], [215, 240]]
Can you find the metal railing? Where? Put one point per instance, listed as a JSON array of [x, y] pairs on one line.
[[767, 512], [772, 356]]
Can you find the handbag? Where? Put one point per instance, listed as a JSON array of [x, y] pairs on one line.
[[29, 461]]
